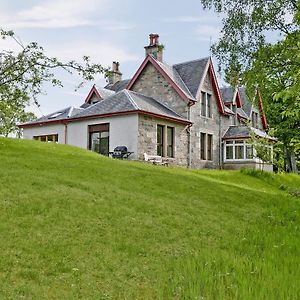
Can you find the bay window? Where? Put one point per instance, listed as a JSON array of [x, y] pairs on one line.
[[238, 150]]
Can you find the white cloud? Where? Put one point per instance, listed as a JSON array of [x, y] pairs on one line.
[[102, 52], [63, 14]]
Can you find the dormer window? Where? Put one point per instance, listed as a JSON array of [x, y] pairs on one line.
[[206, 110], [94, 101]]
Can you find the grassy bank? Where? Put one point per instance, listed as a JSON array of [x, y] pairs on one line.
[[76, 225]]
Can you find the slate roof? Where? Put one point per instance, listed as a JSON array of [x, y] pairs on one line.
[[150, 104], [118, 102], [235, 132], [246, 102], [242, 131], [227, 94], [58, 115], [125, 101], [191, 73], [118, 86], [187, 76], [242, 113], [104, 92], [228, 110], [173, 74]]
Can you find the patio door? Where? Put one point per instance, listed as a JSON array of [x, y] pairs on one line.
[[99, 138]]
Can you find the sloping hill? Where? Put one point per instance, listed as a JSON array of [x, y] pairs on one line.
[[75, 225]]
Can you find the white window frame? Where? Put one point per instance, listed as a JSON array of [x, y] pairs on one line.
[[235, 143], [244, 144]]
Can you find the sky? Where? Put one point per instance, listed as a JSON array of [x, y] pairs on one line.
[[107, 30]]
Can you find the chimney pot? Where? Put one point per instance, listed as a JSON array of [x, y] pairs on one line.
[[154, 39], [115, 66], [154, 48], [116, 75]]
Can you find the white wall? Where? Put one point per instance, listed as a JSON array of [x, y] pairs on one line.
[[29, 133], [123, 131]]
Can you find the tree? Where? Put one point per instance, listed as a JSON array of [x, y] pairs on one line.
[[13, 111], [248, 58], [262, 149], [23, 74]]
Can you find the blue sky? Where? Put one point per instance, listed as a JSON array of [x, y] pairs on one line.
[[107, 30]]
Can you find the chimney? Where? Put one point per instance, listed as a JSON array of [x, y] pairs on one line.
[[155, 48], [115, 74]]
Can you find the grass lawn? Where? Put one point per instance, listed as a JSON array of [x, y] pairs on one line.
[[75, 225]]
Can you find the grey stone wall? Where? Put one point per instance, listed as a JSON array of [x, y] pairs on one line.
[[217, 125], [147, 137], [250, 165], [151, 83], [259, 122]]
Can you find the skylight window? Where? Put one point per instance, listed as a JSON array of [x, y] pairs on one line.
[[55, 115]]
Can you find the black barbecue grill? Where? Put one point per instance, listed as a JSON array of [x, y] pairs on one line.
[[120, 152]]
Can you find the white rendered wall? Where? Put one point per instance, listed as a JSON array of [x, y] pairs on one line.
[[29, 133], [123, 131]]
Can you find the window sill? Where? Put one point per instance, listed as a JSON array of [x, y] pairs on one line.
[[206, 118], [240, 160]]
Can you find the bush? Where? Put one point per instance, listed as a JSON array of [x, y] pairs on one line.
[[294, 192]]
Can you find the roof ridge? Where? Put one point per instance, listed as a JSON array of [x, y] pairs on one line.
[[131, 99], [70, 111], [58, 111], [92, 105], [194, 60]]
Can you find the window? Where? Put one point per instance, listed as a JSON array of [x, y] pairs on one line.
[[55, 115], [160, 140], [47, 138], [209, 146], [202, 146], [249, 151], [238, 150], [170, 141], [203, 105], [165, 141], [208, 99], [229, 150], [206, 102], [206, 146], [99, 138], [254, 119]]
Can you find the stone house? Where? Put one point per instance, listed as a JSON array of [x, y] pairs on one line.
[[175, 111]]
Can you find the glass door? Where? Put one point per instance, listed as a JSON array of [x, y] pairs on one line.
[[99, 138]]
